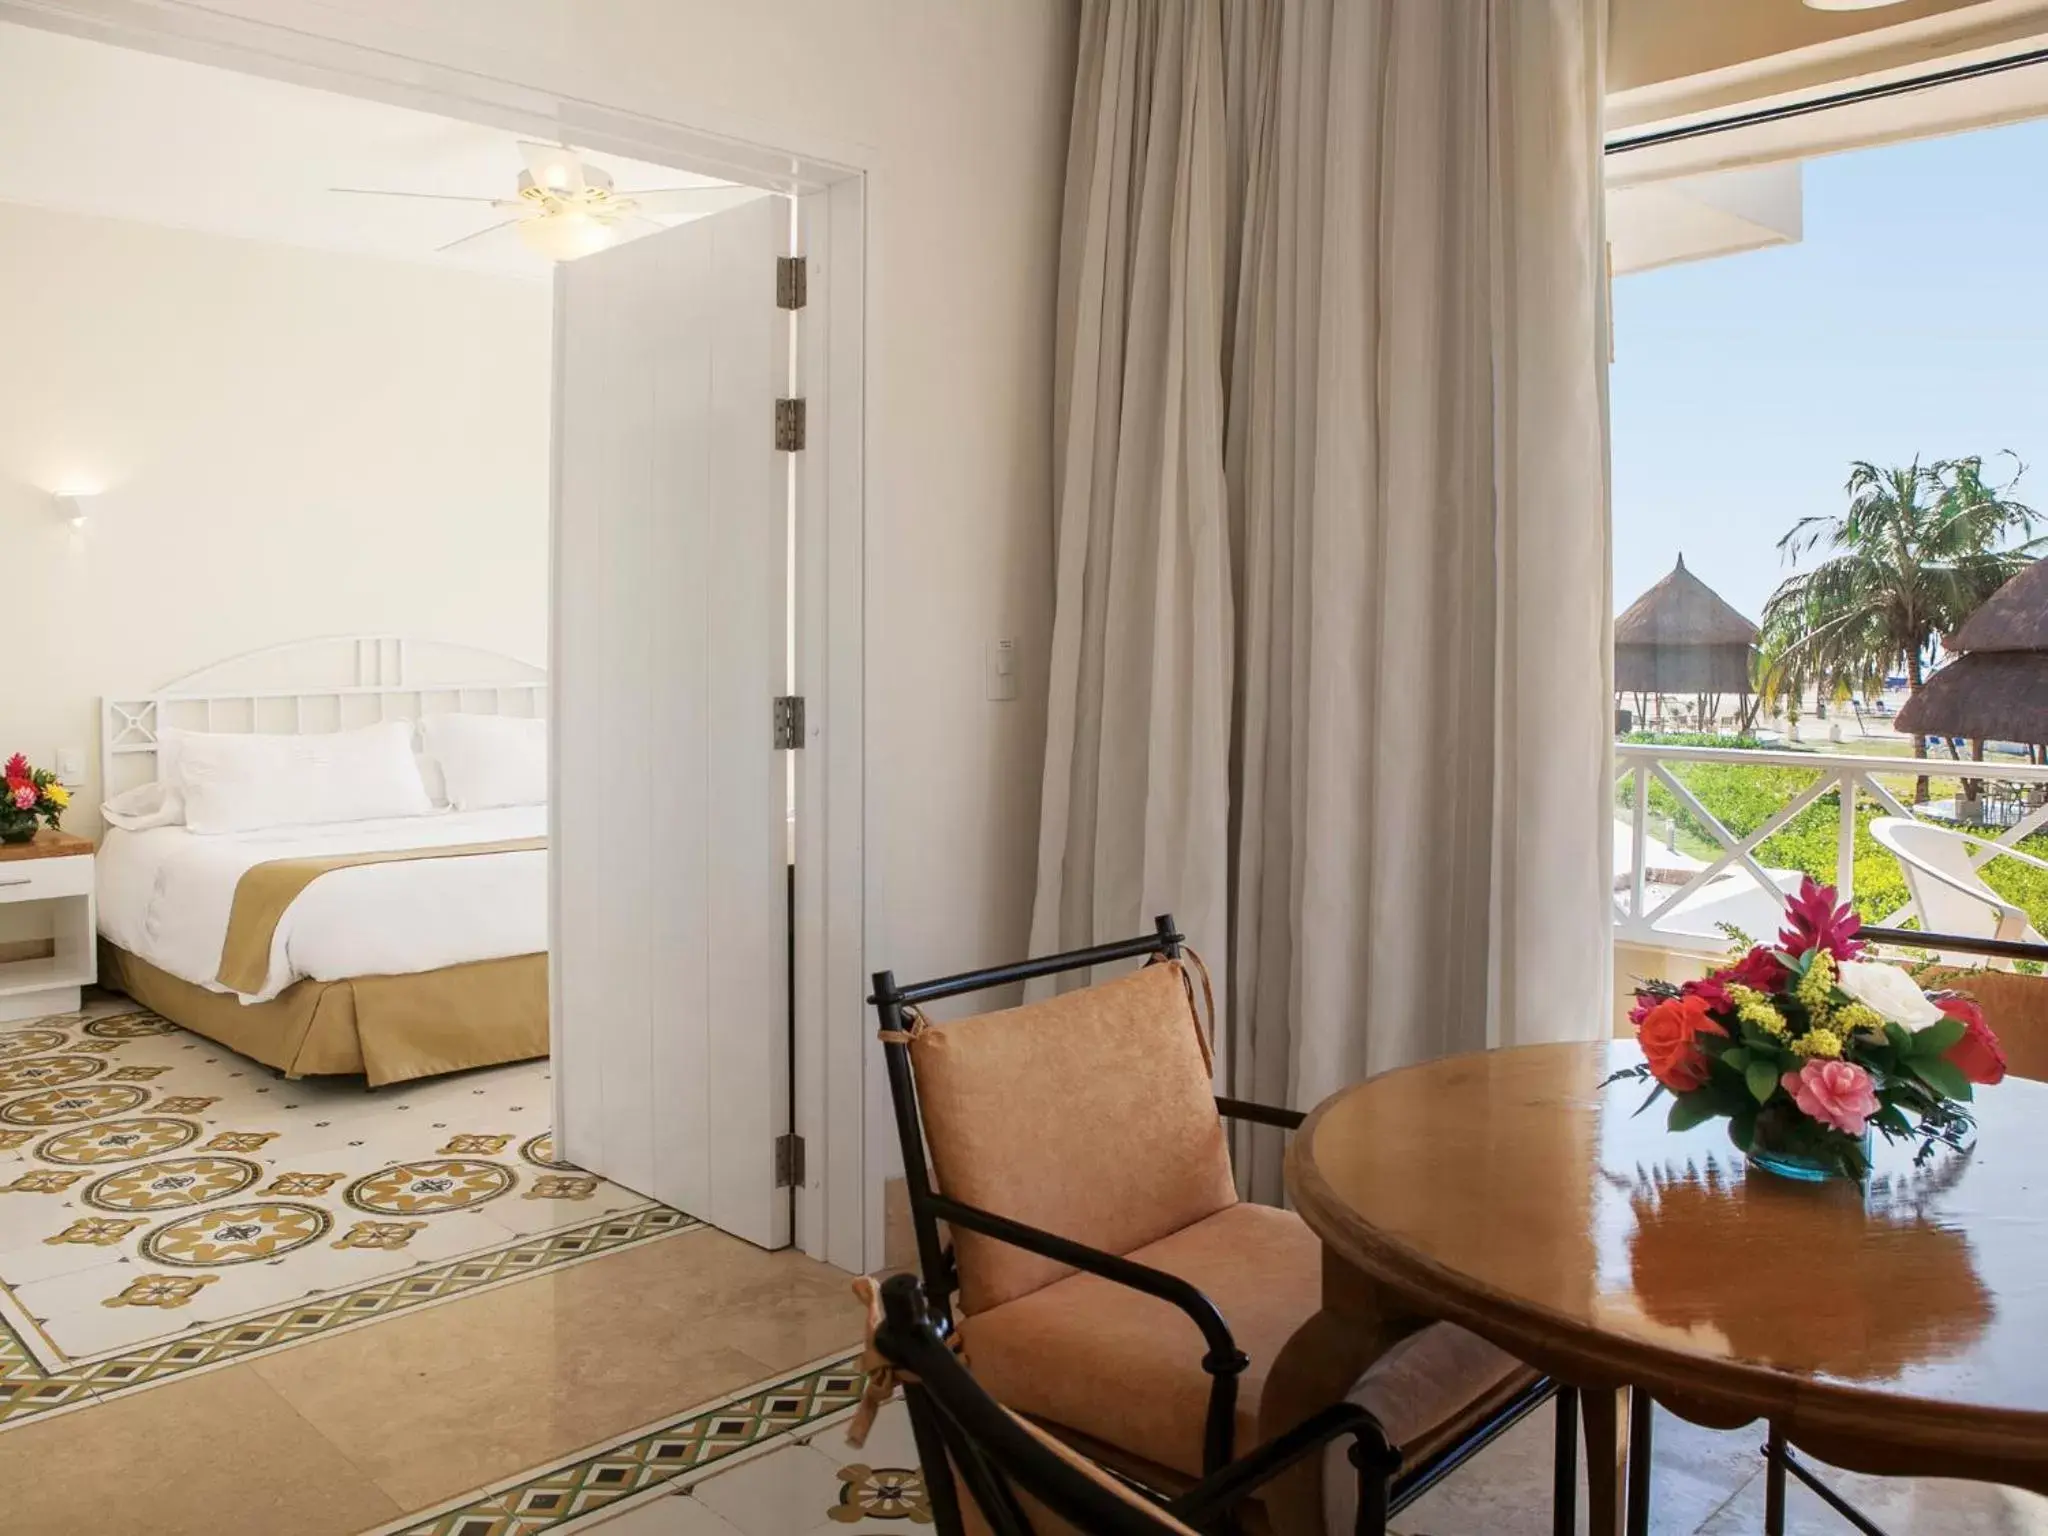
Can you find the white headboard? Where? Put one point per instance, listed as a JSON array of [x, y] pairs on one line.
[[327, 684]]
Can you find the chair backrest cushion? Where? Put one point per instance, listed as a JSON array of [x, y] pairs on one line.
[[1090, 1115]]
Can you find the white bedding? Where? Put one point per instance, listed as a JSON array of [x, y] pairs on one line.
[[165, 895]]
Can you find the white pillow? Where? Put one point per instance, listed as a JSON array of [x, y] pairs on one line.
[[235, 782], [489, 760], [157, 804]]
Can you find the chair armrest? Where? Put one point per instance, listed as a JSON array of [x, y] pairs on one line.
[[1139, 1277], [1219, 1491], [1259, 1114]]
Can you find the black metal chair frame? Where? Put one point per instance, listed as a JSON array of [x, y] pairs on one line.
[[958, 1426], [1223, 1360]]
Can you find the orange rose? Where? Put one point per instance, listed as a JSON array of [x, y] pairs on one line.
[[1669, 1038]]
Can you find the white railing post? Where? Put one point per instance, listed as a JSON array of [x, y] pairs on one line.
[[1845, 837], [1639, 843]]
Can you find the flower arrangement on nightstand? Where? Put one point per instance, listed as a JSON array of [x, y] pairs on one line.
[[30, 795]]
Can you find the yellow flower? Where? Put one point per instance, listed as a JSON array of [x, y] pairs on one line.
[[1857, 1016], [1752, 1007], [57, 795], [1815, 985], [1818, 1042]]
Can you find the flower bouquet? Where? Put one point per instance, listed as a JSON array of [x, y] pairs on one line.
[[1807, 1048], [30, 794]]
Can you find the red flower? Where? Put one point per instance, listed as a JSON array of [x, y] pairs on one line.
[[1759, 969], [1978, 1055], [15, 769], [1669, 1036], [1814, 920]]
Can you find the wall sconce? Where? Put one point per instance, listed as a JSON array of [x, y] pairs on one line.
[[72, 508]]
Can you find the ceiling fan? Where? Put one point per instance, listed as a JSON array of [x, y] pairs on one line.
[[565, 207]]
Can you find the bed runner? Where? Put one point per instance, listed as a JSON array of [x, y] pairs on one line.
[[267, 890]]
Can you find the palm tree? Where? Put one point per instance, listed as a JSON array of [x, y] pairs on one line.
[[1918, 550]]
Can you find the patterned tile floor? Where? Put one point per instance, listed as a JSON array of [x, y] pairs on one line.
[[1708, 1484], [810, 1483], [461, 1310], [166, 1204]]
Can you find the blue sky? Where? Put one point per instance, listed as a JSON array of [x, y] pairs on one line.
[[1912, 319]]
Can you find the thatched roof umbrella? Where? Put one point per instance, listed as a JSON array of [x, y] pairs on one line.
[[1681, 637], [1997, 688]]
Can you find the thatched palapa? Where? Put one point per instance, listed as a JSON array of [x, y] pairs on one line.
[[1680, 637], [1997, 690]]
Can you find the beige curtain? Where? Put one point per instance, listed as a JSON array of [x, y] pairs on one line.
[[1331, 653]]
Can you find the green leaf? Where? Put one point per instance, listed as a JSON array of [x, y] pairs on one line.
[[1762, 1077], [1652, 1097], [1892, 1119], [1736, 1056], [1742, 1127], [1941, 1076], [1690, 1109], [1936, 1038], [1901, 1041]]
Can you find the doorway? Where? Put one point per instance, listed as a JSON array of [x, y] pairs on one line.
[[834, 1214]]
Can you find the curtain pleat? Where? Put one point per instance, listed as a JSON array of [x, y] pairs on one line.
[[1332, 621]]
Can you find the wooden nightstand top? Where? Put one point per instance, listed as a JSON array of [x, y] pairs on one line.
[[47, 845]]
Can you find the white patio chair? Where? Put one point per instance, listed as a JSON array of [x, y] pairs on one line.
[[1948, 892]]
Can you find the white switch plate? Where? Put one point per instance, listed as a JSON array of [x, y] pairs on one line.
[[1002, 670], [71, 765]]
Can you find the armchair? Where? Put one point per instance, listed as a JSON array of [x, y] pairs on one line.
[[1111, 1285]]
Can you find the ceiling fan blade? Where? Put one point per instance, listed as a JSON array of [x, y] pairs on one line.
[[489, 229], [438, 197], [556, 167]]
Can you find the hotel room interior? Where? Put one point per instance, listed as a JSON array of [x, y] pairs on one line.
[[568, 565]]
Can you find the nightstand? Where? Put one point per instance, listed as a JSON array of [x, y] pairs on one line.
[[48, 946]]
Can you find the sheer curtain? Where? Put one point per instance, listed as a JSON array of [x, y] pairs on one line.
[[1331, 645]]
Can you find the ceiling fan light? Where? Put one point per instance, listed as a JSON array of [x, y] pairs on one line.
[[566, 235]]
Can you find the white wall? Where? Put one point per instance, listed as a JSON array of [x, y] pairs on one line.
[[958, 109], [293, 443]]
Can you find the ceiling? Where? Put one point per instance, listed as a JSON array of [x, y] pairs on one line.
[[94, 129]]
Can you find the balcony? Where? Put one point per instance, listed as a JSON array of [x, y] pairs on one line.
[[1711, 839]]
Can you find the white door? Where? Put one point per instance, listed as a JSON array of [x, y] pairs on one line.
[[670, 939]]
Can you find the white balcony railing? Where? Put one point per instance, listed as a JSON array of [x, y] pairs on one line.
[[1664, 899]]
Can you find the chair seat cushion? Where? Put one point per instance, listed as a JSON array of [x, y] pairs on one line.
[[1125, 1370]]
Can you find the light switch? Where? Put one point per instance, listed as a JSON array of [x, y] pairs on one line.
[[1002, 670], [71, 766]]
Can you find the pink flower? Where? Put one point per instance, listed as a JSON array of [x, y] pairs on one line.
[[25, 797], [1836, 1093]]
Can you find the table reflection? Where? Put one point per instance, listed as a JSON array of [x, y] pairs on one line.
[[1879, 1283]]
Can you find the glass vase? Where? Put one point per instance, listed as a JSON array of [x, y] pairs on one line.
[[1790, 1145], [17, 826]]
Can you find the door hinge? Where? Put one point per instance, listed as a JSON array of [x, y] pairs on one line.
[[792, 282], [789, 1161], [789, 722], [789, 425]]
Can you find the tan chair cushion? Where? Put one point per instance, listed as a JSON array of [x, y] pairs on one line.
[[1427, 1391], [1125, 1369], [1090, 1115]]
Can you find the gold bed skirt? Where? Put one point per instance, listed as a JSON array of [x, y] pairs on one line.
[[389, 1028]]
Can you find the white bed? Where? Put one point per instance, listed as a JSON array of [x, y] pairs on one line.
[[469, 933], [165, 895]]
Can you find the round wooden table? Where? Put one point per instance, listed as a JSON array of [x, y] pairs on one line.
[[1897, 1328]]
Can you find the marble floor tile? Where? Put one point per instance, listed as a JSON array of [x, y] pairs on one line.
[[213, 1455], [669, 1515], [589, 1351]]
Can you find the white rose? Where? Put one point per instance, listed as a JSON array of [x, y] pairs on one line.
[[1889, 990]]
